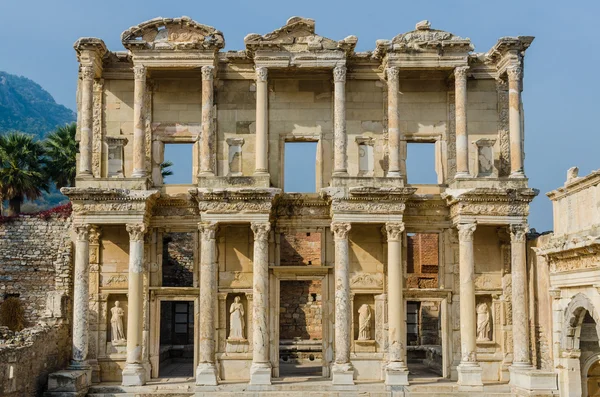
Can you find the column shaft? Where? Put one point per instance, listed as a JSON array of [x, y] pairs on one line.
[[515, 74], [393, 85], [260, 372], [262, 122], [208, 138], [139, 139], [81, 297], [134, 373], [462, 139], [87, 120], [206, 373], [519, 295], [340, 166]]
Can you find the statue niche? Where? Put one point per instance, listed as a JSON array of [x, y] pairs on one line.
[[236, 320], [116, 323], [483, 323], [364, 322]]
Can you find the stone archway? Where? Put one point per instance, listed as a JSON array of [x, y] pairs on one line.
[[573, 317], [590, 385]]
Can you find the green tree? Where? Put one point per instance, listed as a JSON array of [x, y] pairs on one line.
[[165, 169], [61, 151], [22, 173]]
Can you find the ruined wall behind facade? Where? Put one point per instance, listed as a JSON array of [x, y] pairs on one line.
[[422, 260], [299, 249], [300, 312]]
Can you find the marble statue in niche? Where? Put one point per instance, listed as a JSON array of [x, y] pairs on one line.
[[364, 322], [483, 322], [236, 319], [116, 322]]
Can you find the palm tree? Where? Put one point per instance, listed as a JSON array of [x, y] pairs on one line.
[[22, 173], [165, 170], [61, 152]]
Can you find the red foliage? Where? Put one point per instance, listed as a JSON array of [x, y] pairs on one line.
[[61, 211]]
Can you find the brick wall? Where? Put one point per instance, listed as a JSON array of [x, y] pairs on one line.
[[300, 312], [300, 249], [422, 260], [178, 260]]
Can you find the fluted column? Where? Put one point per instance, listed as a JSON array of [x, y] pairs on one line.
[[393, 85], [520, 320], [262, 122], [515, 74], [206, 373], [260, 372], [139, 140], [87, 121], [134, 373], [207, 140], [81, 298], [343, 371], [462, 139], [469, 371], [340, 166], [396, 370]]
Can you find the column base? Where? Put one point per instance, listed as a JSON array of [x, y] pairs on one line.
[[396, 374], [260, 374], [342, 374], [517, 174], [69, 383], [95, 370], [138, 174], [469, 376], [134, 375], [340, 173], [525, 380], [394, 174], [206, 374], [462, 175]]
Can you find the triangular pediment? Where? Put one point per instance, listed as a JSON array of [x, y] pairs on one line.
[[172, 34]]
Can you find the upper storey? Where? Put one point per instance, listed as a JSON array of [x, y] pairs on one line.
[[239, 109]]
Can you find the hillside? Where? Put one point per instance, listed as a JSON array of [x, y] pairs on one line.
[[27, 107]]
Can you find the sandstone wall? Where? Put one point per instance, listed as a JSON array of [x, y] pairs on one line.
[[300, 312]]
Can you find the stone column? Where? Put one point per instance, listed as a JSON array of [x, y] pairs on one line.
[[262, 122], [81, 298], [515, 74], [94, 303], [518, 240], [340, 166], [396, 372], [260, 372], [206, 373], [469, 371], [87, 121], [134, 373], [462, 139], [207, 140], [139, 139], [393, 84], [343, 371]]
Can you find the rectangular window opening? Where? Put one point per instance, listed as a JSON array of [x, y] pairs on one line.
[[300, 167], [420, 163], [178, 164]]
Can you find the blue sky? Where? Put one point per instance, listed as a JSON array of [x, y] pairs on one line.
[[561, 75]]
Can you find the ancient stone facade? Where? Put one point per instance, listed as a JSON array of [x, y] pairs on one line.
[[238, 109]]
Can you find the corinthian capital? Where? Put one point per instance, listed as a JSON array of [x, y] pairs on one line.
[[139, 72], [392, 73], [261, 230], [207, 72], [136, 231], [394, 231], [339, 74], [208, 230], [95, 233], [515, 73], [465, 231], [340, 230], [87, 72], [83, 231], [460, 72], [261, 74], [518, 233]]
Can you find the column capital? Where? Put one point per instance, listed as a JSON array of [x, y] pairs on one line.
[[518, 233], [136, 231], [139, 72], [83, 231], [95, 233], [208, 72], [392, 73], [339, 74], [208, 230], [261, 73], [340, 230], [465, 231], [87, 72], [261, 230], [460, 72], [515, 73], [394, 231]]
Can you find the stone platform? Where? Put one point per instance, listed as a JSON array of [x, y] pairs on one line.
[[292, 387]]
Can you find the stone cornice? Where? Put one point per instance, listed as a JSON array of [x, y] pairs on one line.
[[575, 185], [235, 200], [505, 45], [495, 202], [570, 246], [100, 194]]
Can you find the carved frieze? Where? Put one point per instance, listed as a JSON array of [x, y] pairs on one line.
[[366, 280], [235, 279], [97, 127], [119, 280], [235, 200], [90, 200], [490, 201]]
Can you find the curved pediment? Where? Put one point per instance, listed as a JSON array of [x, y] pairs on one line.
[[172, 34], [298, 35]]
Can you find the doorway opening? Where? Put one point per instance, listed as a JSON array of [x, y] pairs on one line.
[[301, 328], [590, 354], [424, 339], [176, 339], [300, 167]]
